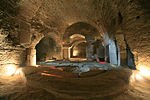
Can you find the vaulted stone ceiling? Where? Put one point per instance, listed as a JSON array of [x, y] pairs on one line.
[[81, 28], [26, 22]]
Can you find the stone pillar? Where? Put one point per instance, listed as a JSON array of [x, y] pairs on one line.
[[107, 53], [118, 55], [66, 52], [121, 49], [69, 55], [113, 53], [31, 57], [89, 51]]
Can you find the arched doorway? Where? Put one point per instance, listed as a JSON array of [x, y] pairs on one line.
[[78, 50], [45, 49], [76, 33]]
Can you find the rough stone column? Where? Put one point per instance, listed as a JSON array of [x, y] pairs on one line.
[[66, 52], [89, 51], [113, 53], [121, 49], [31, 57]]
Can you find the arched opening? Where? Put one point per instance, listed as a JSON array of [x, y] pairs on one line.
[[81, 29], [78, 51], [47, 49], [76, 33]]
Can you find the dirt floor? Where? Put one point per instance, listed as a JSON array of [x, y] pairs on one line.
[[43, 83]]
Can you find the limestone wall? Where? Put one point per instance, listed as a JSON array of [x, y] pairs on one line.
[[9, 54]]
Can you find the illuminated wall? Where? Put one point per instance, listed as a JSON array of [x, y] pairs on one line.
[[79, 51]]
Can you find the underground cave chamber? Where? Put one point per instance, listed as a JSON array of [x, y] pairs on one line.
[[66, 46]]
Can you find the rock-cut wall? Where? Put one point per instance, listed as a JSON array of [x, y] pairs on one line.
[[10, 55]]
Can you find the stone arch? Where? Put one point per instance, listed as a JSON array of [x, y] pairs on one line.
[[81, 28], [75, 44], [32, 52], [46, 49]]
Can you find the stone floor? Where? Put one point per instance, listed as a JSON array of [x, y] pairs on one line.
[[82, 66], [62, 83]]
